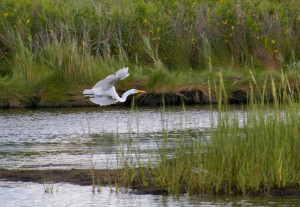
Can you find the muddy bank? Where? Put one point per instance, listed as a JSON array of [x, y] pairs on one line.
[[73, 176], [190, 96], [108, 177], [187, 96], [79, 177]]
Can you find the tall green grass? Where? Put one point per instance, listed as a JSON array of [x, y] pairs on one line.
[[48, 45], [191, 34], [256, 150]]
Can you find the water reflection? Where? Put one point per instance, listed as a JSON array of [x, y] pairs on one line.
[[33, 194], [66, 138]]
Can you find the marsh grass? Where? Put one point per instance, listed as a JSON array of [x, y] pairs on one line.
[[48, 186], [249, 152], [48, 45]]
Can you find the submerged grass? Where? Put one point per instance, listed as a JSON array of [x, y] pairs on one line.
[[250, 152]]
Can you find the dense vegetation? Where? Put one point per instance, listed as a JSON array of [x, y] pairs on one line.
[[50, 47], [245, 152]]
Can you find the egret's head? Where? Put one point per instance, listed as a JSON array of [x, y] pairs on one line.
[[133, 91]]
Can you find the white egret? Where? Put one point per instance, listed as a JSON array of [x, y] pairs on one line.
[[104, 93]]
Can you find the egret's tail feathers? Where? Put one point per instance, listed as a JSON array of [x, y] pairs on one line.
[[88, 92]]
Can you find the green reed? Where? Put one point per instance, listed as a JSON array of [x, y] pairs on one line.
[[51, 45], [256, 150], [197, 34]]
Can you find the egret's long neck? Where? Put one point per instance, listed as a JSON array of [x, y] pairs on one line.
[[124, 96]]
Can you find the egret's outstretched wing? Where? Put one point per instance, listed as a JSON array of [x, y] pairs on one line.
[[103, 100], [110, 80]]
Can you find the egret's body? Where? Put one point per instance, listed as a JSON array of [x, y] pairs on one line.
[[104, 93]]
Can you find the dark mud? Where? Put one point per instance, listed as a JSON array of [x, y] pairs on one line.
[[78, 177], [108, 177], [73, 176], [186, 96], [189, 96]]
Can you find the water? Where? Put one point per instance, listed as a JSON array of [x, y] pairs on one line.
[[66, 138], [33, 194]]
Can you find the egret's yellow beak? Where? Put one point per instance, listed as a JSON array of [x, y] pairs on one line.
[[140, 91]]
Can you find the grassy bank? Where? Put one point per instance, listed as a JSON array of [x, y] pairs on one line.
[[48, 48]]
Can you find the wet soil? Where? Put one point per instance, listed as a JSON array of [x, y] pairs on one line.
[[78, 177], [73, 176], [107, 177], [185, 96], [188, 96]]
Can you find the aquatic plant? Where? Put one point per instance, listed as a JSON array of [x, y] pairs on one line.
[[251, 152], [48, 186]]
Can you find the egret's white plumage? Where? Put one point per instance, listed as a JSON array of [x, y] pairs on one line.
[[104, 93]]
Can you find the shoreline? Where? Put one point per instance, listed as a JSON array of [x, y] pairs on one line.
[[109, 178], [187, 97]]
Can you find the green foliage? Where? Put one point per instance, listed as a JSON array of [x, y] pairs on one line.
[[72, 38], [252, 150], [233, 28], [16, 91]]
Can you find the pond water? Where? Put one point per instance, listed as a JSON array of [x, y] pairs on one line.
[[62, 194], [77, 137], [68, 138]]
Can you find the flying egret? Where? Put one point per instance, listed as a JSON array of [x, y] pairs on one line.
[[104, 93]]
